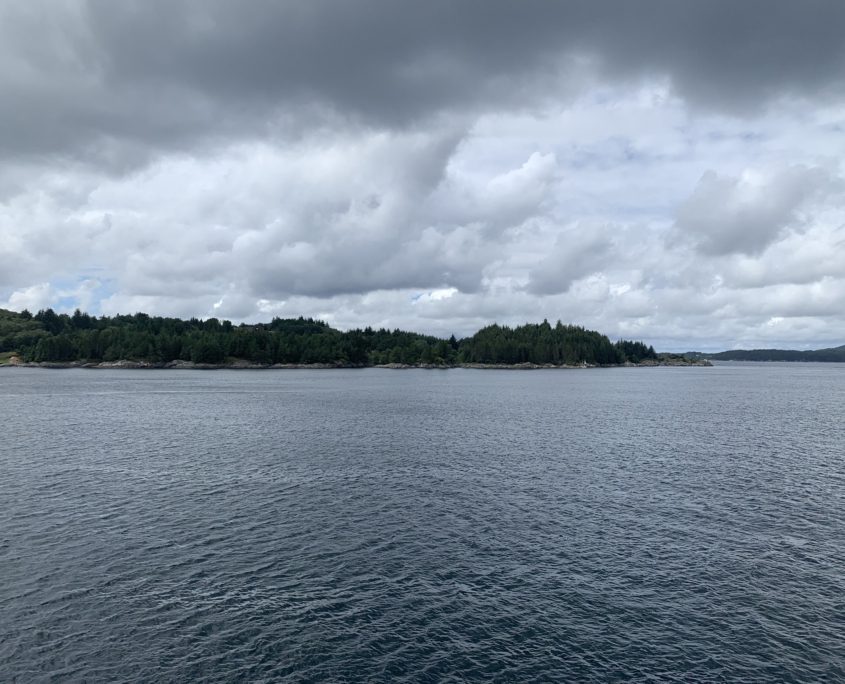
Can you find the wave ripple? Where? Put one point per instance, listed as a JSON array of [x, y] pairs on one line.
[[346, 526]]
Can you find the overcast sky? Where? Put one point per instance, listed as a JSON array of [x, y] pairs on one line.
[[664, 170]]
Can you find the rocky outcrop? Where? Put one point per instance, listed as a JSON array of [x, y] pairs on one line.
[[241, 364]]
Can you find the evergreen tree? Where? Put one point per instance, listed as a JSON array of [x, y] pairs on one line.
[[49, 336]]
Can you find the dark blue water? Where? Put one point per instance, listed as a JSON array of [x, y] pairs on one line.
[[388, 526]]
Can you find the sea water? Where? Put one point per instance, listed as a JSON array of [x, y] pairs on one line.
[[417, 525]]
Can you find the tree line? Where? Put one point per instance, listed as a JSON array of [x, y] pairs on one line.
[[834, 354], [48, 336]]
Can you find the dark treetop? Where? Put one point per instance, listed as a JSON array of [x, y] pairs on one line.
[[59, 338]]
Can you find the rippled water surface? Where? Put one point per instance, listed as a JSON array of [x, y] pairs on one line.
[[388, 526]]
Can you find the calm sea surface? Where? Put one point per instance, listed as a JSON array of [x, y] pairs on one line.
[[445, 526]]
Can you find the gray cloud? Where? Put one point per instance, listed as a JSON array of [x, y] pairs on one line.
[[745, 215], [110, 80], [578, 252]]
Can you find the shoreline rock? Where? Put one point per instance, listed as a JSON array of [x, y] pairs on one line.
[[241, 364], [668, 362]]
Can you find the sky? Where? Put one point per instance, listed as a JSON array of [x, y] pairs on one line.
[[665, 170]]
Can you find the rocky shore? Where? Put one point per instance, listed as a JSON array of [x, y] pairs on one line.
[[16, 362], [671, 361]]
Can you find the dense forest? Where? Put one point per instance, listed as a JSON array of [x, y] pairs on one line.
[[52, 337]]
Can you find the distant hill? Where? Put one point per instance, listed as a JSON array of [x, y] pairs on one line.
[[832, 354]]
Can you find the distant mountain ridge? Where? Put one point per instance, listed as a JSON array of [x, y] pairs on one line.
[[832, 354]]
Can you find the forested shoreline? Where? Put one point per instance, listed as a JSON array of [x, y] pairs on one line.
[[52, 338], [829, 355]]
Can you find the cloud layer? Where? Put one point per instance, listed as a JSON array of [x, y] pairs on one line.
[[666, 170]]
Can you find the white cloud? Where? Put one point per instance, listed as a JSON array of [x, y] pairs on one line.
[[33, 298]]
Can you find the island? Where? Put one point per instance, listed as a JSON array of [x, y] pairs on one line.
[[56, 340], [829, 355]]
